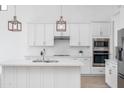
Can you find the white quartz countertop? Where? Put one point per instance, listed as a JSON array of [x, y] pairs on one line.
[[28, 62]]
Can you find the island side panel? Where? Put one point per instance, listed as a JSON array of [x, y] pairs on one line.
[[8, 78], [67, 77], [41, 76]]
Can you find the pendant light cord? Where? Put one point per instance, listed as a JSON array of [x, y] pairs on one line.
[[61, 9], [15, 10]]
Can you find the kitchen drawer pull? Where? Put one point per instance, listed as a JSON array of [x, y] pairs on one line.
[[85, 59], [114, 66], [110, 71]]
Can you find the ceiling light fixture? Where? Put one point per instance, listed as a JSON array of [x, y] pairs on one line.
[[14, 25], [61, 23]]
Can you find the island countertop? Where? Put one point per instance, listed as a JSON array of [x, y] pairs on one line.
[[29, 62]]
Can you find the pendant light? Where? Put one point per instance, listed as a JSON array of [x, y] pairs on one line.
[[14, 25], [61, 23]]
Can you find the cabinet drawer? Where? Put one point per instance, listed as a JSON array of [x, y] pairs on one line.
[[97, 70], [85, 70], [85, 61]]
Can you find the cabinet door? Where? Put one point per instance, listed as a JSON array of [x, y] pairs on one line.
[[114, 77], [97, 70], [85, 35], [107, 73], [49, 34], [95, 29], [116, 28], [39, 36], [121, 18], [31, 34], [85, 70], [105, 29], [74, 35]]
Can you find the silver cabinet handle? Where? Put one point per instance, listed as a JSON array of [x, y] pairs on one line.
[[79, 43], [44, 43], [100, 71], [114, 66], [110, 71], [34, 43], [85, 59]]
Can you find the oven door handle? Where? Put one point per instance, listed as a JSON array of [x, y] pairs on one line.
[[102, 53]]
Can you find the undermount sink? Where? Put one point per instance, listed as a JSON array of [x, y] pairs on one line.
[[45, 61]]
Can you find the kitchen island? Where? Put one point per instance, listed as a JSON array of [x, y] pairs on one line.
[[27, 74]]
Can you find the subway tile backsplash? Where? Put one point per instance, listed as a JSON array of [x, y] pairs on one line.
[[61, 47]]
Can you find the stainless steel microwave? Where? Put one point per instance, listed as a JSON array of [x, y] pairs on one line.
[[101, 42]]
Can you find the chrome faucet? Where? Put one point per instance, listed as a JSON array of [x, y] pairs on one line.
[[43, 54]]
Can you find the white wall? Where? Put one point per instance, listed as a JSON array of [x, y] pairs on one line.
[[14, 44]]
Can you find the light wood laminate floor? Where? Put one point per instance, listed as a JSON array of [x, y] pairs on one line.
[[93, 82]]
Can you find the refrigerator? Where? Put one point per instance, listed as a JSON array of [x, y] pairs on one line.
[[120, 57]]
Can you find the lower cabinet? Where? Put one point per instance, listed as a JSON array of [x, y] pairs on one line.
[[111, 73], [87, 67], [85, 70], [97, 70]]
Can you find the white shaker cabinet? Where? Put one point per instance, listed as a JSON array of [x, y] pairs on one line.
[[40, 34], [39, 39], [31, 34], [116, 20], [106, 29], [101, 29], [95, 29], [49, 34], [111, 73], [98, 70], [121, 17], [74, 35], [84, 34], [79, 35], [86, 68]]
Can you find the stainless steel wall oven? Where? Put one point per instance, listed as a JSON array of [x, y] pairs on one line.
[[100, 51]]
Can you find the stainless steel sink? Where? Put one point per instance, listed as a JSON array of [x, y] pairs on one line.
[[45, 61]]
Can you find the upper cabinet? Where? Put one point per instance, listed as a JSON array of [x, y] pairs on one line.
[[40, 34], [85, 35], [74, 35], [39, 38], [49, 34], [80, 34], [121, 18], [101, 29], [116, 21]]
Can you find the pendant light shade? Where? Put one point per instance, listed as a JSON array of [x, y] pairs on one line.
[[14, 25], [61, 23]]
